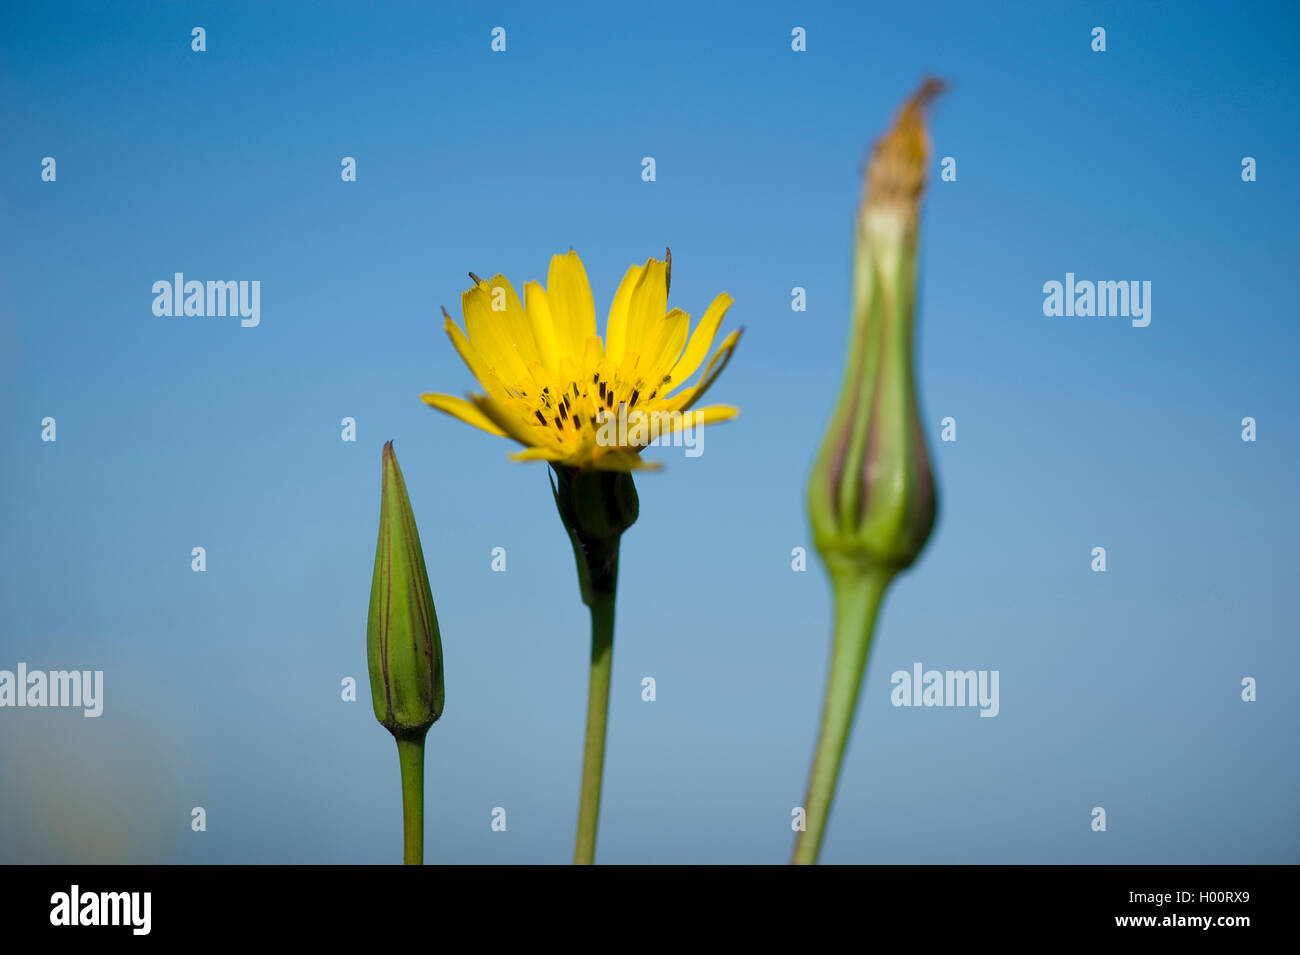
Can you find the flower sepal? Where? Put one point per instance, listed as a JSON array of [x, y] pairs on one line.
[[596, 508]]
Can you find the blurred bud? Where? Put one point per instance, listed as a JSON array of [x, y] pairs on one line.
[[402, 641], [872, 496]]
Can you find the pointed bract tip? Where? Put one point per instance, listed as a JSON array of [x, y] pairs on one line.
[[388, 465], [896, 170]]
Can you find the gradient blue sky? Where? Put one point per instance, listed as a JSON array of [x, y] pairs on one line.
[[222, 689]]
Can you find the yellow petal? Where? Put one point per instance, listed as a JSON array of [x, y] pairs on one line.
[[620, 460], [663, 346], [616, 327], [573, 312], [698, 418], [470, 356], [537, 454], [593, 353], [716, 364], [646, 305], [539, 314], [701, 341], [678, 401], [513, 424], [626, 369], [516, 319], [462, 409], [490, 331]]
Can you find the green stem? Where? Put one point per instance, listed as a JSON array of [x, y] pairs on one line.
[[410, 752], [857, 602], [593, 753]]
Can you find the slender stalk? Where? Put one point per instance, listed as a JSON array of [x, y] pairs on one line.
[[857, 602], [593, 753], [410, 751], [596, 508]]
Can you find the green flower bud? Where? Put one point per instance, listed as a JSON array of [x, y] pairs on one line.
[[403, 645], [871, 497]]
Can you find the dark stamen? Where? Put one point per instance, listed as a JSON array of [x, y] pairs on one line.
[[540, 417], [635, 394]]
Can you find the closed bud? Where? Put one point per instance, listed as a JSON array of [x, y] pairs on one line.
[[403, 645], [872, 495]]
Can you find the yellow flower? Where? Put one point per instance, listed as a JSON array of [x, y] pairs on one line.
[[557, 388]]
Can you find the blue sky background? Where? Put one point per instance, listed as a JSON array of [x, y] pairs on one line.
[[1119, 690]]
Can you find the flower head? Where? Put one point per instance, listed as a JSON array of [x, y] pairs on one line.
[[555, 386]]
